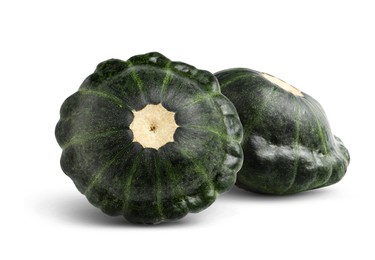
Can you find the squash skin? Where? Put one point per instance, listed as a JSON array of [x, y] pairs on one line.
[[288, 145], [146, 185]]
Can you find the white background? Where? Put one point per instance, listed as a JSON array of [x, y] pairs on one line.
[[325, 48]]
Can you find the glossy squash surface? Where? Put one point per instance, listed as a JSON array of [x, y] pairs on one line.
[[288, 144], [118, 161]]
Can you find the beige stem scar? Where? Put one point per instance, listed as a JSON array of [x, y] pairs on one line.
[[153, 126]]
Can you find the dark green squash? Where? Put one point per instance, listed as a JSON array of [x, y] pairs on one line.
[[288, 145], [110, 132]]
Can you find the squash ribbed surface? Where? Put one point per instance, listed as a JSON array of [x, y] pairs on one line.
[[288, 144], [148, 185]]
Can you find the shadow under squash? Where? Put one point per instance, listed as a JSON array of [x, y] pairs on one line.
[[75, 209], [238, 194]]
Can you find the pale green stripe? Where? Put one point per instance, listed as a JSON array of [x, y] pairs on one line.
[[257, 116], [166, 80], [99, 174], [320, 131], [159, 188], [199, 98], [223, 136], [321, 134], [105, 95], [226, 83], [128, 184], [137, 80], [172, 176], [80, 139], [199, 169]]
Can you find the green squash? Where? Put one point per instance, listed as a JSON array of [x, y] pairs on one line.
[[150, 139], [288, 145]]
